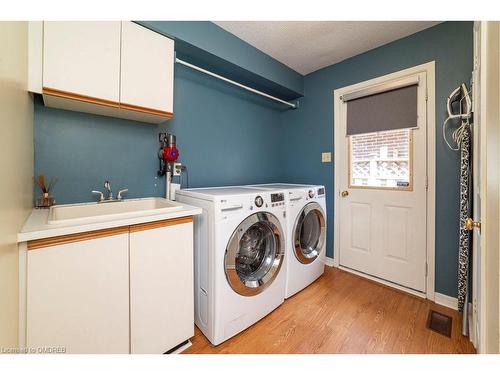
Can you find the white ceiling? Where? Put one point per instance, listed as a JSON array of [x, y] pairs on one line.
[[306, 46]]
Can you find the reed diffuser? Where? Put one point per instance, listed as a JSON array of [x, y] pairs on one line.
[[45, 201]]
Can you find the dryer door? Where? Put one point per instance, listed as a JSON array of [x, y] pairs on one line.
[[309, 233], [254, 254]]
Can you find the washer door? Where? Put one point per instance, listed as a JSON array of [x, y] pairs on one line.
[[254, 254], [309, 233]]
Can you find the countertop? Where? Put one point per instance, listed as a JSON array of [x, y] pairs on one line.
[[36, 226]]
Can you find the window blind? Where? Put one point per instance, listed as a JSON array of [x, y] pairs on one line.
[[387, 110]]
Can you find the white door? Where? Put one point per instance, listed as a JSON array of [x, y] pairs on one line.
[[161, 286], [382, 198], [82, 58], [147, 68], [78, 296]]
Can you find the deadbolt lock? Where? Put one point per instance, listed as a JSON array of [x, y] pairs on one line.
[[471, 224], [344, 194]]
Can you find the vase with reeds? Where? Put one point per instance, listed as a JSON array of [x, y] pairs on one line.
[[45, 200]]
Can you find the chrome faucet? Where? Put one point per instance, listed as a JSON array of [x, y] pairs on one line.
[[101, 195], [107, 186], [120, 192]]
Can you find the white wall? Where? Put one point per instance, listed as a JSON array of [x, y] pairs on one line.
[[496, 257], [16, 167]]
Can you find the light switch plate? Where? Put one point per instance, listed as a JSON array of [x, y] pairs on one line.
[[326, 157]]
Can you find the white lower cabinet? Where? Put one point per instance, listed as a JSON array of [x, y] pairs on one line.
[[78, 296], [161, 287], [120, 290]]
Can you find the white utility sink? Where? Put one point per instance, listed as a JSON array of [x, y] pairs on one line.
[[83, 213]]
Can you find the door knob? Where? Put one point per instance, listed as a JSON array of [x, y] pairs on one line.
[[344, 194], [471, 224]]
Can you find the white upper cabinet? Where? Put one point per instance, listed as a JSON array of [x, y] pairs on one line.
[[147, 69], [82, 58], [110, 68]]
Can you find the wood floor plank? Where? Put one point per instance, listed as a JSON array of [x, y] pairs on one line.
[[344, 313]]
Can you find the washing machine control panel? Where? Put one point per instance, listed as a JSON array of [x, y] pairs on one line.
[[277, 197], [259, 201], [233, 205]]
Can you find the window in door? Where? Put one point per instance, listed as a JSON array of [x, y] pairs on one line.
[[379, 128], [381, 160]]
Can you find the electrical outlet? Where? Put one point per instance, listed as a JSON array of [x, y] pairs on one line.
[[177, 169], [326, 157]]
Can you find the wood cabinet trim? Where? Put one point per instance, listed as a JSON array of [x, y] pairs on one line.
[[160, 224], [82, 98], [85, 236], [104, 102], [151, 111], [76, 237]]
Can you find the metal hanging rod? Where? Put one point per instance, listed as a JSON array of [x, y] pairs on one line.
[[179, 61]]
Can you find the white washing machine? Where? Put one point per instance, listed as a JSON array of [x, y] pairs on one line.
[[306, 233], [239, 257]]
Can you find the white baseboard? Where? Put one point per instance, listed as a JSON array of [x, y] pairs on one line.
[[444, 300], [329, 262], [473, 334]]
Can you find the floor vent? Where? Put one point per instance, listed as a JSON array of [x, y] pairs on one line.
[[439, 323]]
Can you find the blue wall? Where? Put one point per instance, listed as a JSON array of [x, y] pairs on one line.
[[228, 136], [225, 136], [309, 129], [211, 47]]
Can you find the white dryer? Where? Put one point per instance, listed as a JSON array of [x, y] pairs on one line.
[[239, 257], [306, 233]]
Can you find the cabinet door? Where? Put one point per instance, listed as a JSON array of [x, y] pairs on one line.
[[147, 69], [78, 296], [82, 58], [161, 287]]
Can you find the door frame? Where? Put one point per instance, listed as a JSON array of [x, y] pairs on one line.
[[490, 193], [475, 307], [429, 69]]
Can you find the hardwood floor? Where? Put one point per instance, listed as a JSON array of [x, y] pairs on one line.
[[344, 313]]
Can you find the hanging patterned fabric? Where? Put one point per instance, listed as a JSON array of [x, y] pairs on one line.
[[465, 212]]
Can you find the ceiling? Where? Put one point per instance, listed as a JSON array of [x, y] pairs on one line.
[[306, 46]]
